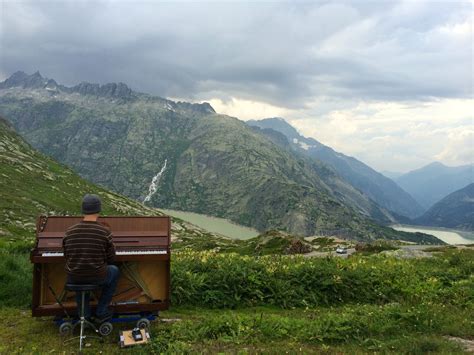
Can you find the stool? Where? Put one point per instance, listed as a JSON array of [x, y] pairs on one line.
[[82, 288]]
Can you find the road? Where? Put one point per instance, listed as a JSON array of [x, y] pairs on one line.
[[322, 254]]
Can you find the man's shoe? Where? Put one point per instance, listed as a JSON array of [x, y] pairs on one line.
[[101, 318]]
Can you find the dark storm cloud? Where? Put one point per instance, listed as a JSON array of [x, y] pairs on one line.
[[285, 54]]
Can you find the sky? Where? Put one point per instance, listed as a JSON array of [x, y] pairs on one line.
[[389, 82]]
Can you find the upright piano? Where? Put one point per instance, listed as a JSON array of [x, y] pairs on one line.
[[142, 253]]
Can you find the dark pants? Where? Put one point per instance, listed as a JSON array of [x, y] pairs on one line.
[[108, 289]]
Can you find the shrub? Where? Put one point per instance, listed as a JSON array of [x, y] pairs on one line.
[[216, 280]]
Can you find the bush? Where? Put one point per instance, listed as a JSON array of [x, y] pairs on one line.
[[15, 279], [209, 279], [375, 246]]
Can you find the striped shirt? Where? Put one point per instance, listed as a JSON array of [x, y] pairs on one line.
[[88, 248]]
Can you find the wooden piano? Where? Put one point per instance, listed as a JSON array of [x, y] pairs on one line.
[[142, 254]]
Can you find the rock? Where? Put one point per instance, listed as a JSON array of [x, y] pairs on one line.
[[407, 253]]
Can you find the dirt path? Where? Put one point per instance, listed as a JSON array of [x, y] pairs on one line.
[[322, 254], [468, 345]]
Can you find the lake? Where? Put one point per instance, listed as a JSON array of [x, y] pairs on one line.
[[449, 236], [214, 224]]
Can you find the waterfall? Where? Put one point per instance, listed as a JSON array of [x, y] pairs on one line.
[[154, 183]]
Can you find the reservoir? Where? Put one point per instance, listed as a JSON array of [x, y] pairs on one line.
[[449, 236], [214, 224]]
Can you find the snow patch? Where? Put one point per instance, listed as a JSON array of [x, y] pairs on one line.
[[305, 146]]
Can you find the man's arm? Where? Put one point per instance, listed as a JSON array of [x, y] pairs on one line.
[[64, 249], [110, 249]]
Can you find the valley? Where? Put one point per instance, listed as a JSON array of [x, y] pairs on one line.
[[183, 156]]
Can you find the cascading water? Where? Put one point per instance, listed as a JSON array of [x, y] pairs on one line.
[[154, 183]]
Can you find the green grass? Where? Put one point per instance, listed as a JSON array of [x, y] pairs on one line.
[[15, 279], [348, 329], [231, 303]]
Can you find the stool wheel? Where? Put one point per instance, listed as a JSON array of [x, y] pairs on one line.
[[65, 328], [143, 323], [105, 329]]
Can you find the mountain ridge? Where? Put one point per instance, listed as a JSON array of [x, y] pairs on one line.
[[216, 164], [431, 183], [453, 211], [118, 90], [377, 187]]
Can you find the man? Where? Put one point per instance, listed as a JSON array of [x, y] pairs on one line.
[[89, 249]]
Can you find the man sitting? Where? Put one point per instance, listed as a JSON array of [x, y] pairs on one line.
[[89, 249]]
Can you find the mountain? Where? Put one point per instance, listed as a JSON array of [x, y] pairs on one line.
[[434, 181], [341, 188], [179, 156], [391, 174], [32, 184], [454, 211], [377, 187]]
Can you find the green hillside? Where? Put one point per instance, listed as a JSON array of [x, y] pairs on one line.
[[33, 184], [215, 164]]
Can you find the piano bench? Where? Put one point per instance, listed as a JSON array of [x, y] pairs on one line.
[[83, 289]]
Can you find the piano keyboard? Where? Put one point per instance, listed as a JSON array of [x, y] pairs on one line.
[[134, 252], [52, 254], [140, 252]]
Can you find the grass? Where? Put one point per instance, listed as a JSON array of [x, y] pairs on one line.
[[347, 329], [228, 303], [15, 279]]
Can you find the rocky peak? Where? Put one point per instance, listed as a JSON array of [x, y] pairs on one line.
[[115, 90], [23, 80], [278, 124], [36, 81], [205, 107]]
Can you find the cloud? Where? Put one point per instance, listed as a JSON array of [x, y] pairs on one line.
[[398, 136], [459, 146], [280, 53], [247, 109], [359, 75]]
